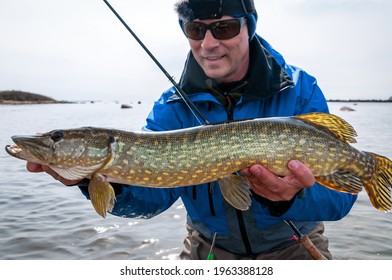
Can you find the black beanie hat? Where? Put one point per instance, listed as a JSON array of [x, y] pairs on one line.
[[189, 10]]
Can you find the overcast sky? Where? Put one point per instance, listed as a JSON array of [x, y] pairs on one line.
[[78, 50]]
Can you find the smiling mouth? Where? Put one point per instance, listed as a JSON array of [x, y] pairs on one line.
[[213, 58]]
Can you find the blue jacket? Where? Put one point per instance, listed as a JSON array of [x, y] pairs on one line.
[[272, 88]]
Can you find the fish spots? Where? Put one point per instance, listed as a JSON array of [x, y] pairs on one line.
[[319, 145], [318, 167], [302, 141], [281, 149], [236, 146]]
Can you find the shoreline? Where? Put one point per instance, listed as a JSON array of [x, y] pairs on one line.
[[16, 97], [16, 102], [361, 100], [35, 102]]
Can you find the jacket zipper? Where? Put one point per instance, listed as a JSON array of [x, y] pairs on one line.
[[211, 201], [240, 216], [229, 107]]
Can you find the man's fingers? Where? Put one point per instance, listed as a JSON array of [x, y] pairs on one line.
[[301, 173], [258, 174], [34, 167], [267, 184]]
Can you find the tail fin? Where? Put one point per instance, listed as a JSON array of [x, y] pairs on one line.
[[379, 187]]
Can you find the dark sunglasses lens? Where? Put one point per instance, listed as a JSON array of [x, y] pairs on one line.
[[227, 29], [221, 30], [195, 30]]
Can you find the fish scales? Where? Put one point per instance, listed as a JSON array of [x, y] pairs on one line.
[[192, 156], [204, 154], [211, 152]]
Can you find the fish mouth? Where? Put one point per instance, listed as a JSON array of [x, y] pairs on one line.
[[13, 150], [31, 147]]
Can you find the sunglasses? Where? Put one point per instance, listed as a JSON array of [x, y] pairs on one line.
[[221, 30]]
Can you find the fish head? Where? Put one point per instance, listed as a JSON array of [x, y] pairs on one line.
[[73, 153], [34, 148]]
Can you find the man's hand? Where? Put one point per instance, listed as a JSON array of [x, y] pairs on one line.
[[34, 167], [275, 188]]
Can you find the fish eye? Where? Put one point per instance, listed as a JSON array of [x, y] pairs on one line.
[[57, 135]]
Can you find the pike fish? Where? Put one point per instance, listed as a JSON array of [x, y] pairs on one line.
[[197, 155]]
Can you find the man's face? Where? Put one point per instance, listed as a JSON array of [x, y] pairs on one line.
[[223, 60]]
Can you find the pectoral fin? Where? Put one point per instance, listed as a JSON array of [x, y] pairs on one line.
[[236, 191], [102, 194]]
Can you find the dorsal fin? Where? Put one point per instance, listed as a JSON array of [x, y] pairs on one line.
[[330, 124]]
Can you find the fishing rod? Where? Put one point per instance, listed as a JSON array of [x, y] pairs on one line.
[[306, 242], [302, 239], [195, 111]]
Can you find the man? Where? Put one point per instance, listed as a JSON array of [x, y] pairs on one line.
[[231, 73]]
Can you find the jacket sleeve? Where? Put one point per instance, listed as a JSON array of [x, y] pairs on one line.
[[145, 202], [139, 202], [319, 203], [142, 202]]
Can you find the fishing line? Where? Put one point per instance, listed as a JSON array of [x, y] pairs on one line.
[[303, 239], [195, 111]]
